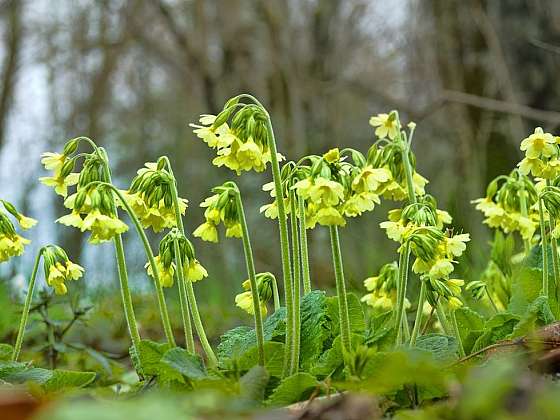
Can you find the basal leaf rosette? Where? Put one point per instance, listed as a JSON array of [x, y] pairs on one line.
[[11, 243]]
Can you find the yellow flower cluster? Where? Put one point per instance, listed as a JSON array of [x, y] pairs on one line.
[[542, 155], [220, 208], [60, 180], [234, 150], [245, 300], [383, 288], [11, 243], [150, 197], [59, 273], [496, 217], [91, 211]]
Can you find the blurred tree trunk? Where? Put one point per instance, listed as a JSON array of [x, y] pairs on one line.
[[13, 37]]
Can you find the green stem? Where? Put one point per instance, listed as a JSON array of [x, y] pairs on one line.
[[296, 255], [442, 318], [491, 301], [401, 291], [343, 315], [544, 245], [148, 249], [457, 334], [419, 313], [26, 306], [126, 296], [284, 246], [193, 305], [554, 251], [303, 246], [183, 299], [213, 361], [252, 278], [275, 294], [524, 213]]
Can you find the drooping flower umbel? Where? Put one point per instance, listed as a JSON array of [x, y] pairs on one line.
[[165, 261], [11, 243], [150, 197], [238, 135], [265, 285], [59, 269], [383, 288]]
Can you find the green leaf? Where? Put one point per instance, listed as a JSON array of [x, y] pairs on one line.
[[253, 384], [64, 379], [443, 348], [331, 361], [150, 356], [497, 328], [314, 327], [187, 364], [273, 358], [293, 389], [538, 314], [471, 325], [355, 313], [6, 352], [238, 340]]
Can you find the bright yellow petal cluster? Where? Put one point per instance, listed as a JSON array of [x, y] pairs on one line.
[[385, 126], [11, 246], [541, 155], [496, 217], [60, 273]]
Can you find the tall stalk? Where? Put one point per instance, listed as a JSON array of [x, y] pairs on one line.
[[553, 249], [401, 292], [183, 299], [126, 296], [419, 313], [303, 246], [442, 318], [343, 315], [252, 278], [544, 245], [148, 249], [190, 295], [524, 212], [296, 260], [26, 306], [457, 333]]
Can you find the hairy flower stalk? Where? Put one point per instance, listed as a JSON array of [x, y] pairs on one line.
[[164, 314], [250, 144], [303, 246], [544, 247], [524, 212], [97, 169], [457, 333], [57, 269], [183, 299], [187, 286], [340, 291], [296, 261]]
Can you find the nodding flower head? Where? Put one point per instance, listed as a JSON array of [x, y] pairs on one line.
[[11, 243], [265, 290], [151, 197], [167, 259], [239, 134], [59, 269], [221, 208], [383, 288], [542, 155]]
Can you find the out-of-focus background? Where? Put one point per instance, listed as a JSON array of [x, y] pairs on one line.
[[476, 76]]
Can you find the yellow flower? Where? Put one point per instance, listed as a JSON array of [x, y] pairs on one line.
[[539, 144], [249, 156], [245, 301], [441, 269], [196, 271], [73, 219], [53, 161], [103, 228], [327, 192], [11, 246], [370, 179], [234, 231], [359, 203], [73, 271], [533, 166], [454, 303], [270, 210], [60, 184], [213, 215], [57, 275], [329, 216], [393, 230], [332, 155], [386, 126], [207, 232], [304, 187], [26, 222], [456, 245], [455, 286], [166, 275]]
